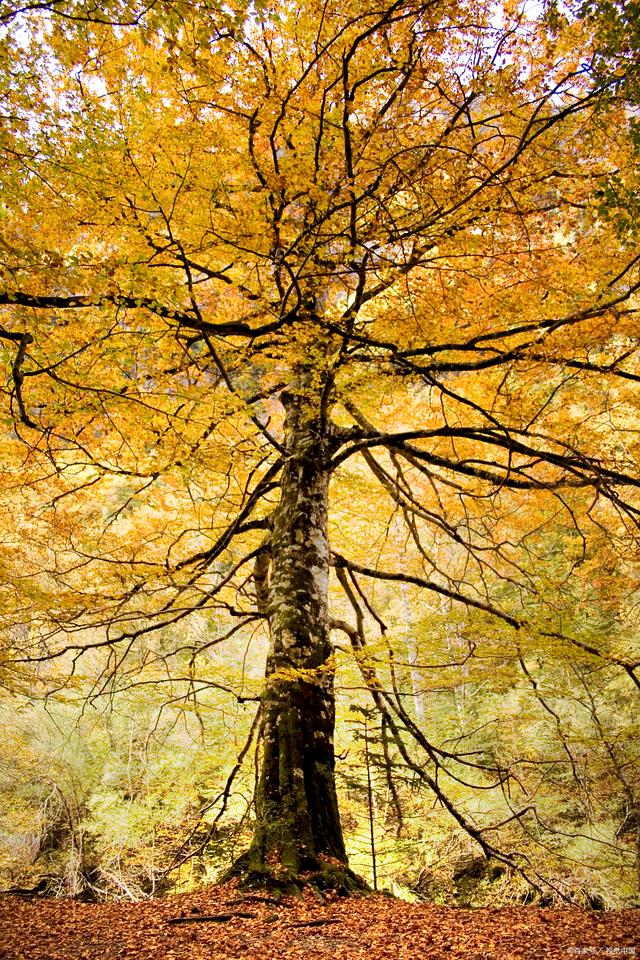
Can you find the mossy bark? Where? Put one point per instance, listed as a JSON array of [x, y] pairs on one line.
[[297, 820]]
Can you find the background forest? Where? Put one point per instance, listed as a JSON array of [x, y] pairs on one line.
[[142, 793], [320, 365]]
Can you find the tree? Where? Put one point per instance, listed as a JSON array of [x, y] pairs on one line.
[[297, 300]]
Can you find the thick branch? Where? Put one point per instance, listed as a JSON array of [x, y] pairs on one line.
[[339, 561]]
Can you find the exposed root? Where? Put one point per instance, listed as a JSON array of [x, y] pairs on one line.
[[213, 918], [278, 880]]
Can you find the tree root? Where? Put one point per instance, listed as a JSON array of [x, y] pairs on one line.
[[212, 918], [278, 880], [314, 923]]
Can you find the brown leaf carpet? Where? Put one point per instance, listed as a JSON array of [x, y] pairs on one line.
[[366, 928]]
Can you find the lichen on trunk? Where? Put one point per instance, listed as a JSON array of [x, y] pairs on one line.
[[297, 820]]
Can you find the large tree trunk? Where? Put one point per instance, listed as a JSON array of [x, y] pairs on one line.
[[298, 824]]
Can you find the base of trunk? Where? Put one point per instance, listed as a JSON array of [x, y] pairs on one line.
[[253, 874]]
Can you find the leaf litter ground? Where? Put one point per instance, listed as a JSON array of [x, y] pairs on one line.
[[358, 928]]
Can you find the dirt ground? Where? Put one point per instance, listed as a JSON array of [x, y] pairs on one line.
[[219, 923]]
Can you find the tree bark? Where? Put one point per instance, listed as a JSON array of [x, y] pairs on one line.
[[297, 820]]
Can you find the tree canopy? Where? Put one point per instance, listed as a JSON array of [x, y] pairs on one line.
[[309, 313]]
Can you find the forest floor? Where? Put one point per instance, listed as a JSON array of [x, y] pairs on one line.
[[359, 928]]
